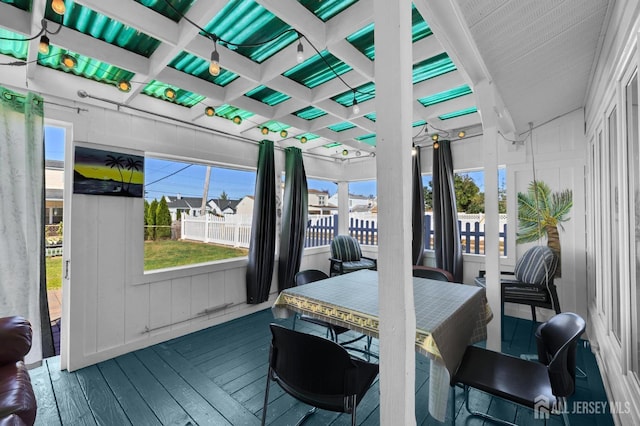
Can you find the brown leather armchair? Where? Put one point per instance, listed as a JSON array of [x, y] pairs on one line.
[[17, 401]]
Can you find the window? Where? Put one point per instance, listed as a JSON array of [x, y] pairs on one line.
[[184, 227], [469, 188], [613, 223]]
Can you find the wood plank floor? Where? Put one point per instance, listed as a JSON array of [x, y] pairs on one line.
[[217, 377]]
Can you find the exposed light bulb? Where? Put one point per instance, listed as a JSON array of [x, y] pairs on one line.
[[303, 139], [214, 66], [169, 93], [237, 119], [43, 47], [461, 134], [435, 137], [284, 133], [300, 52], [265, 130], [345, 152], [436, 145], [356, 108], [58, 6], [124, 86], [209, 111], [68, 61]]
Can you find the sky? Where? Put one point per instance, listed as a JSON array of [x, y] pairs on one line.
[[163, 177]]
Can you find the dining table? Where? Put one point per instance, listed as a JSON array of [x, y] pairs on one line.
[[449, 317]]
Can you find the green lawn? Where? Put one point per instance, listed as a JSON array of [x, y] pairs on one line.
[[158, 255]]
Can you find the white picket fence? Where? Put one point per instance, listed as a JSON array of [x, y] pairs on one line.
[[230, 230]]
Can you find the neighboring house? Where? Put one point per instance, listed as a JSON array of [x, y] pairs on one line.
[[245, 206], [357, 203], [318, 203], [54, 189], [189, 206]]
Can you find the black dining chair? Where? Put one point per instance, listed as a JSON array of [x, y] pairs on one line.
[[432, 273], [541, 385], [333, 331], [316, 371]]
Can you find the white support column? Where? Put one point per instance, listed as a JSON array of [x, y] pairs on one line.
[[393, 67], [343, 208], [486, 99]]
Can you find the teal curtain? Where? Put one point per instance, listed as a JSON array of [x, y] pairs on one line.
[[294, 218], [447, 245], [263, 231], [417, 209], [22, 273]]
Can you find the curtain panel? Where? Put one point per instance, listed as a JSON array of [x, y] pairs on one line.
[[294, 218], [22, 273], [263, 231], [447, 245], [417, 209]]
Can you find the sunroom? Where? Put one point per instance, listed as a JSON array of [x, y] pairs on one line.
[[517, 91]]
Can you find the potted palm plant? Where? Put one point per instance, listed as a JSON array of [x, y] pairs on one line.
[[540, 212]]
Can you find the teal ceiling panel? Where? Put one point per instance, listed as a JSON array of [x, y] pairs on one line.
[[371, 116], [340, 127], [369, 139], [326, 9], [310, 113], [199, 67], [267, 96], [85, 67], [89, 22], [458, 113], [183, 97], [275, 126], [20, 4], [446, 95], [172, 9], [362, 93], [432, 67], [229, 111], [317, 70], [13, 44], [364, 42], [332, 145], [418, 123], [251, 30]]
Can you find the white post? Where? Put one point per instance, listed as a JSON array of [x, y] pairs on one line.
[[343, 208], [394, 106], [236, 234], [206, 228], [486, 99]]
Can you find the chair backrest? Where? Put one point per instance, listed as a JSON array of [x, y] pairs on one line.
[[309, 276], [536, 266], [432, 273], [345, 248], [315, 370], [557, 340]]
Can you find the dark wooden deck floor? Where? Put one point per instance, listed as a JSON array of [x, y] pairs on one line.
[[217, 377]]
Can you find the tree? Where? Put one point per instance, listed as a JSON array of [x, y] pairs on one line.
[[151, 219], [540, 212], [117, 162], [428, 196], [146, 220], [178, 215], [131, 166], [163, 220], [224, 196], [467, 194]]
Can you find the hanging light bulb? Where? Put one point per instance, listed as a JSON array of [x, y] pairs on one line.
[[265, 130], [237, 119], [461, 134], [300, 52], [435, 137], [214, 65], [345, 152], [283, 133], [68, 61], [209, 111], [43, 47], [58, 6], [169, 93], [303, 139], [356, 108], [436, 145], [124, 86]]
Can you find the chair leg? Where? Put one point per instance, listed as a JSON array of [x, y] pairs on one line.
[[480, 414], [266, 398], [306, 416], [533, 314]]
